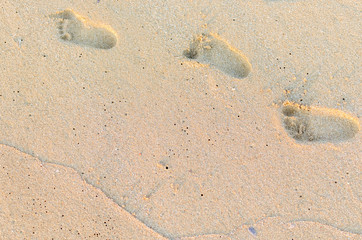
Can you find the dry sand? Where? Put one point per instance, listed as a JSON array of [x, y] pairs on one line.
[[109, 131]]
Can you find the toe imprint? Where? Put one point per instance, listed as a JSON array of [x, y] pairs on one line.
[[211, 49], [318, 124], [77, 29]]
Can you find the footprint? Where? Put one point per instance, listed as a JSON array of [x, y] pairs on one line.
[[315, 124], [211, 49], [79, 30]]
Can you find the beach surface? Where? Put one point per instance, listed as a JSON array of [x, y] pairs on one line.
[[221, 119]]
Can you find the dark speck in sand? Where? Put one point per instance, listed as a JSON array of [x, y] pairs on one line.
[[252, 231]]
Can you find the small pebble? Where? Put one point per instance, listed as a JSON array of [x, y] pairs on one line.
[[252, 231]]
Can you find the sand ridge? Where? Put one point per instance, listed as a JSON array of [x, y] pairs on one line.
[[41, 204]]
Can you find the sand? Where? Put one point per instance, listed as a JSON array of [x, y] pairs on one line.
[[109, 130]]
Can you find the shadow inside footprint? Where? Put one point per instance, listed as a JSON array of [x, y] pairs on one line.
[[289, 110], [314, 124], [77, 29], [210, 48]]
